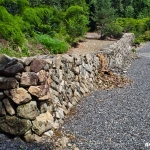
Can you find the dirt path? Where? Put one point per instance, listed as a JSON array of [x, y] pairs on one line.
[[90, 45]]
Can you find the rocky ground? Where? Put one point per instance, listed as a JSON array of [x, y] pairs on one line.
[[107, 119]]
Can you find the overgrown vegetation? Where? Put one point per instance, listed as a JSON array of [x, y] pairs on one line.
[[53, 24], [29, 25]]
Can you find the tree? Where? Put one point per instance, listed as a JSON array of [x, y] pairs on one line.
[[104, 13], [129, 12]]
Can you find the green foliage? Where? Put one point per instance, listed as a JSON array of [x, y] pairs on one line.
[[11, 33], [76, 23], [30, 16], [140, 27], [5, 16], [55, 46], [25, 50], [133, 50], [129, 12], [10, 52], [104, 12], [146, 36], [15, 6], [113, 30]]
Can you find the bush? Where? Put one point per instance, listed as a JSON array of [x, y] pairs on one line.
[[146, 36], [55, 46], [112, 30]]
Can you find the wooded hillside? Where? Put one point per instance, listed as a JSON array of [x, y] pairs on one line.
[[49, 26]]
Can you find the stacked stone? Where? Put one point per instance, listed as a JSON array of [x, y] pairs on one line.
[[40, 92], [36, 93]]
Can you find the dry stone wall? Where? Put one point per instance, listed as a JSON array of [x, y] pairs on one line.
[[37, 92]]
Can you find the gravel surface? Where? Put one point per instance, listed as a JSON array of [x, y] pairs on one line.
[[117, 119]]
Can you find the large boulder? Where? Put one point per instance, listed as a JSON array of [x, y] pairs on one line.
[[42, 123], [8, 83], [14, 125], [28, 111]]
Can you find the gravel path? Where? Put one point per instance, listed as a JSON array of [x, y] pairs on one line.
[[117, 119]]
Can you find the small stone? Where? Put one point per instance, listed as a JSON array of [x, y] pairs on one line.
[[76, 94], [76, 70], [45, 97], [43, 106], [8, 83], [31, 137], [2, 110], [1, 95], [28, 79], [67, 59], [28, 61], [64, 141], [4, 60], [69, 144], [9, 106], [37, 65], [20, 95], [28, 111], [46, 67], [57, 62], [65, 109], [42, 92], [59, 113], [42, 123], [70, 105], [14, 125], [13, 70], [49, 133], [27, 69], [42, 76]]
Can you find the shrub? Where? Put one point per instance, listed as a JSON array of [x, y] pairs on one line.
[[5, 16], [31, 16], [11, 33], [146, 36], [112, 30], [55, 46]]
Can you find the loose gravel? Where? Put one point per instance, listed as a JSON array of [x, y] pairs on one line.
[[117, 119]]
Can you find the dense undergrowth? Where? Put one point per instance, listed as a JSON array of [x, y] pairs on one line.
[[30, 27]]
